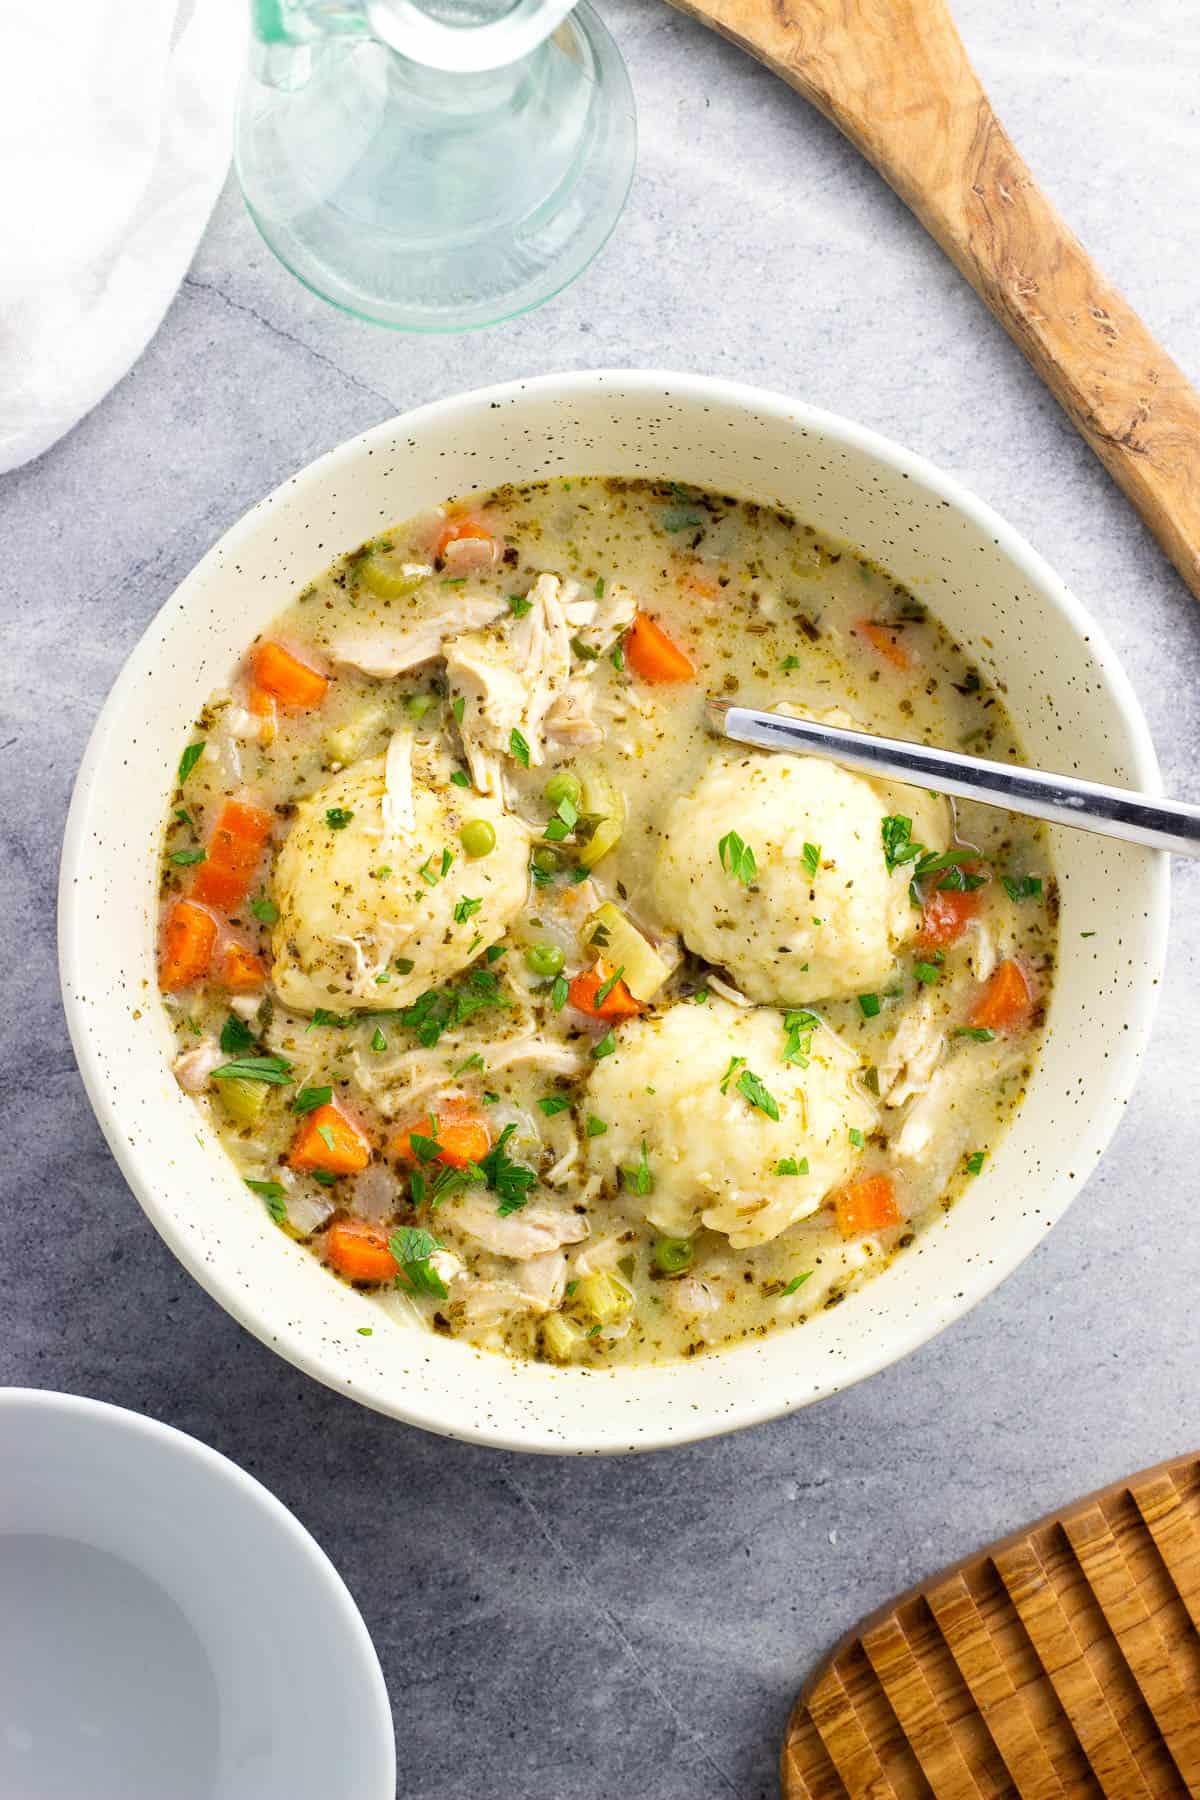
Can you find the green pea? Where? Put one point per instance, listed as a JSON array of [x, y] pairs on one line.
[[478, 837], [672, 1255], [418, 705], [564, 784], [547, 859], [544, 959]]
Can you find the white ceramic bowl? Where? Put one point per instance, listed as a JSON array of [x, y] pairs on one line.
[[1072, 707], [168, 1628]]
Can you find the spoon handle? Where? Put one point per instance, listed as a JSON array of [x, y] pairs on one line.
[[1063, 800]]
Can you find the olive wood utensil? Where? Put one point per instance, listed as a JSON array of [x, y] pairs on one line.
[[893, 76], [1062, 799]]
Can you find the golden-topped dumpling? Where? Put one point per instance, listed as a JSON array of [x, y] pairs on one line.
[[708, 1124], [813, 913], [378, 898]]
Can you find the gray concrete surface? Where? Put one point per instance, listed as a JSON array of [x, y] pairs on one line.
[[588, 1630]]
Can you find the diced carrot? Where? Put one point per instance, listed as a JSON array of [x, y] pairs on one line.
[[223, 878], [1005, 1002], [328, 1140], [948, 912], [868, 1204], [461, 1131], [618, 1003], [888, 640], [260, 703], [286, 679], [242, 972], [462, 525], [189, 934], [651, 654], [359, 1251]]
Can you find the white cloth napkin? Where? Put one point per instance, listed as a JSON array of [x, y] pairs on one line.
[[115, 133]]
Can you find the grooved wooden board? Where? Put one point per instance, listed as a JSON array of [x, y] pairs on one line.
[[1062, 1663]]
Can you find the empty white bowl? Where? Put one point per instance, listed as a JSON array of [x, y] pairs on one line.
[[168, 1631], [1072, 707]]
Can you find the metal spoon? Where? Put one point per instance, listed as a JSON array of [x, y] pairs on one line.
[[1064, 800]]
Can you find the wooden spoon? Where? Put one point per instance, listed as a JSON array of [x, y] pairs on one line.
[[894, 77]]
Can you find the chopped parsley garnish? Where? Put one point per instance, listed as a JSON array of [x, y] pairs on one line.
[[425, 1149], [638, 1178], [870, 1004], [737, 858], [595, 1127], [559, 992], [494, 952], [616, 657], [799, 1027], [927, 972], [509, 1180], [322, 1016], [264, 909], [460, 778], [309, 1098], [553, 1103], [189, 759], [325, 1133], [519, 605], [792, 1165], [735, 1063], [378, 1041], [752, 1090], [338, 817], [465, 909], [365, 1330], [790, 662], [566, 817], [605, 1047], [812, 859], [1028, 887], [796, 1282], [273, 1195], [412, 1249], [458, 707], [898, 846], [983, 1034], [598, 590], [184, 857], [857, 1138], [474, 1061], [518, 747], [1086, 934], [606, 987], [974, 1162], [275, 1070], [444, 1009], [326, 1177], [236, 1036], [583, 651], [431, 876]]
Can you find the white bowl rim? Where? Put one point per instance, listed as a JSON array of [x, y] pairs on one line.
[[283, 1335], [355, 1640]]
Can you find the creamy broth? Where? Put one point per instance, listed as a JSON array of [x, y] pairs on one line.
[[553, 1022]]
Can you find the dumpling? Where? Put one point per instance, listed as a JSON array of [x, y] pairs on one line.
[[681, 1085], [377, 900], [793, 934]]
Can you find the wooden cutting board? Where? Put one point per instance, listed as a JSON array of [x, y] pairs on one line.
[[1062, 1663], [894, 77]]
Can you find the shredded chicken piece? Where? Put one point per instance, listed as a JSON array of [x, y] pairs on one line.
[[542, 1280], [471, 555], [914, 1051], [599, 622], [601, 1256], [563, 1168], [726, 990], [569, 722], [691, 1298], [193, 1067], [510, 679], [533, 1231], [389, 653], [399, 812]]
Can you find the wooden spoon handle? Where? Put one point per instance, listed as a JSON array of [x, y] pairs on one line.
[[894, 77]]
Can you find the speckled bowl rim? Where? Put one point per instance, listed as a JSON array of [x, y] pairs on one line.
[[281, 1331]]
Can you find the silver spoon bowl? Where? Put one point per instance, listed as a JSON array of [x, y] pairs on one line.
[[1062, 799]]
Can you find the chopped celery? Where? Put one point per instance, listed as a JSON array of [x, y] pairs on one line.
[[561, 1338], [389, 579], [603, 1298], [622, 946], [244, 1101], [601, 801]]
